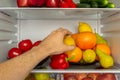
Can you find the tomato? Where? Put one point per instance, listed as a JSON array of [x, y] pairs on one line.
[[13, 52], [25, 45], [37, 43]]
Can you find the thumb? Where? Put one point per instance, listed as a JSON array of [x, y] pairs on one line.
[[68, 48]]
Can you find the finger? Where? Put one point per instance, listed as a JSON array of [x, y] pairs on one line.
[[57, 30], [68, 48]]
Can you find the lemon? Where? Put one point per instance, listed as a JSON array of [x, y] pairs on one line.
[[69, 41], [89, 56], [84, 27]]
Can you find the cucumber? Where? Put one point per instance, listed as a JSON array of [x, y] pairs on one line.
[[84, 1], [94, 5], [110, 5], [83, 5]]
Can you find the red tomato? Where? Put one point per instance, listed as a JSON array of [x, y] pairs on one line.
[[37, 43], [14, 52], [22, 3], [25, 45]]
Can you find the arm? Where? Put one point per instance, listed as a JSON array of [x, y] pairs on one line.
[[19, 67]]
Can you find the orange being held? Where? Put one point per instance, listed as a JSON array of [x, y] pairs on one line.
[[86, 40], [74, 55], [74, 36], [104, 48]]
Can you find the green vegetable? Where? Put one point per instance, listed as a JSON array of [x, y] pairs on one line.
[[85, 1], [110, 5], [94, 5], [83, 5]]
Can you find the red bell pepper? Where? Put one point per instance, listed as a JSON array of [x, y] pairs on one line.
[[59, 61]]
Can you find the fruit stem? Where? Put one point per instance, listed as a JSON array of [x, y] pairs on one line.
[[67, 59]]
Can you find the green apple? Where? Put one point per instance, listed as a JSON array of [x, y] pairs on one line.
[[42, 76]]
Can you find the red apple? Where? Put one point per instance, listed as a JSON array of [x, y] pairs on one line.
[[25, 45], [32, 3], [22, 3], [41, 2], [106, 76], [93, 75], [87, 78], [80, 76], [13, 52], [67, 74], [70, 78], [52, 3]]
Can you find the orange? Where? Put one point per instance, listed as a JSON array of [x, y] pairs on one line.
[[86, 40], [104, 48], [74, 55], [74, 36]]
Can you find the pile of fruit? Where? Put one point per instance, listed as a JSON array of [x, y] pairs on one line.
[[89, 48], [66, 3], [95, 4], [89, 76]]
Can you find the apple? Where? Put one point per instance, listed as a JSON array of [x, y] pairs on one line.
[[80, 76], [32, 3], [69, 76], [88, 78], [106, 76], [13, 52], [25, 45], [40, 3], [93, 75], [42, 76]]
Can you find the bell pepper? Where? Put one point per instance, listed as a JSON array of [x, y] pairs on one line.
[[59, 61]]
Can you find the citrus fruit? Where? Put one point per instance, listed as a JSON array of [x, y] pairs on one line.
[[74, 55], [74, 36], [110, 5], [86, 40], [84, 27], [69, 41], [104, 48], [89, 56]]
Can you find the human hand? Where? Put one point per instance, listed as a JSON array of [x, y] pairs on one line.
[[54, 42]]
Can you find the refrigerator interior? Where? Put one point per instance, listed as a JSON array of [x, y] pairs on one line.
[[35, 24]]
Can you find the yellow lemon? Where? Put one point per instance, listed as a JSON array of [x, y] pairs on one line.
[[69, 41], [84, 27], [89, 56]]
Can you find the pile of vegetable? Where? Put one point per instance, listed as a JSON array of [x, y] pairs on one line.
[[95, 4]]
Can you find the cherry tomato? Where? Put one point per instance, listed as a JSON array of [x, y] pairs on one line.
[[37, 43], [25, 45], [13, 52]]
